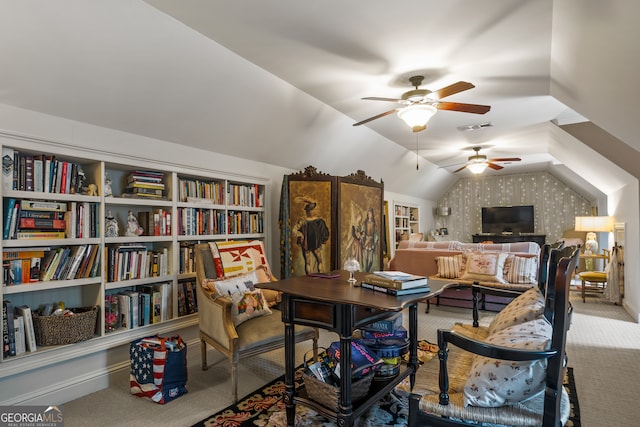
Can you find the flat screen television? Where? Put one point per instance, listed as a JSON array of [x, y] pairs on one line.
[[507, 220]]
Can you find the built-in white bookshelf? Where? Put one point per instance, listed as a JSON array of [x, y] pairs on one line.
[[406, 221], [175, 208]]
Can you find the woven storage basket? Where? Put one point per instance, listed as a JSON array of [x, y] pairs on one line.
[[58, 330], [329, 395]]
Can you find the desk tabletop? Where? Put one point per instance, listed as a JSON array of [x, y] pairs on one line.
[[339, 290]]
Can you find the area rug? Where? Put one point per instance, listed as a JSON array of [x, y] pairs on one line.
[[264, 407]]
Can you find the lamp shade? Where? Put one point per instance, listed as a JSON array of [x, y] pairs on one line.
[[477, 167], [594, 223], [416, 116]]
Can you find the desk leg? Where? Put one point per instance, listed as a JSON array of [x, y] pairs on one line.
[[346, 408], [413, 342], [289, 372]]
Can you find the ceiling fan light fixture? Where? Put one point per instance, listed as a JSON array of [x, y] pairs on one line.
[[416, 116], [477, 167]]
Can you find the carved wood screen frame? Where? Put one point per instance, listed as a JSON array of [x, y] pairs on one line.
[[312, 201], [360, 221]]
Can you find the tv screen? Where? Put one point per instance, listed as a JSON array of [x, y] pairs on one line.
[[507, 219]]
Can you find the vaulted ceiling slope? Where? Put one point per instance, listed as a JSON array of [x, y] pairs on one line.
[[281, 81]]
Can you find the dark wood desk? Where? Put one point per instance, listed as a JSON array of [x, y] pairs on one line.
[[337, 306]]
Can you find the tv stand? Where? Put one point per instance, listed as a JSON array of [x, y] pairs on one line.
[[509, 238]]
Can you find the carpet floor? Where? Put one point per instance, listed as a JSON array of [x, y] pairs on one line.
[[265, 408]]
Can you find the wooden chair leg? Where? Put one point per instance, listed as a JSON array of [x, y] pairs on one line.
[[234, 377], [583, 290], [203, 354]]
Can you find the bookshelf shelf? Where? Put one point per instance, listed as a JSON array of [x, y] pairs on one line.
[[119, 186]]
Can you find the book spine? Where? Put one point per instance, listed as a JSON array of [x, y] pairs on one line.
[[390, 291], [8, 165], [11, 204], [8, 330], [28, 235], [381, 281], [36, 205], [40, 223], [42, 214]]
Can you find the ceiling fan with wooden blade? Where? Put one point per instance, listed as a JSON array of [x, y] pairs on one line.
[[479, 162], [417, 106]]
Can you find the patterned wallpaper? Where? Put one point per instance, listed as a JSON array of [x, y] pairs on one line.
[[555, 204]]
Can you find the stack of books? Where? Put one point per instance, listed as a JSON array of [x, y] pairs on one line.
[[34, 219], [395, 283], [145, 184], [390, 341]]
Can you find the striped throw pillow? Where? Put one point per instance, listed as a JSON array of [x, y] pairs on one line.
[[522, 270], [450, 267]]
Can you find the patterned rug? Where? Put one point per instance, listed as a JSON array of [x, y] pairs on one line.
[[264, 407]]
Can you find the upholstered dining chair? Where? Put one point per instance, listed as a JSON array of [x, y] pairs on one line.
[[236, 341]]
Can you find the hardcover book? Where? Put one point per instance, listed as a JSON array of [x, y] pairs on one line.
[[395, 280], [396, 292]]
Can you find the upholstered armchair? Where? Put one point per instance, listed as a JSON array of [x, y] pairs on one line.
[[216, 322]]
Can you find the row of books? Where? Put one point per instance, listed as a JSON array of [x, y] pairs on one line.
[[18, 335], [145, 184], [23, 266], [199, 222], [36, 219], [186, 258], [40, 172], [395, 283], [245, 222], [247, 195], [129, 262], [195, 190], [144, 305], [155, 223], [187, 297]]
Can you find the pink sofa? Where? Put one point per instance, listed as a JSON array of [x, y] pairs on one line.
[[420, 257]]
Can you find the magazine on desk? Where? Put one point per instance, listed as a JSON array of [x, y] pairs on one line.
[[395, 279]]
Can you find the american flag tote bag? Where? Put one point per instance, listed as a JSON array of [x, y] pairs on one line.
[[158, 368]]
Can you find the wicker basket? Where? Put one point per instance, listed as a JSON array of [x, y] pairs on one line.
[[58, 330], [329, 395]]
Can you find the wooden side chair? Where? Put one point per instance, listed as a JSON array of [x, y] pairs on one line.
[[595, 281], [216, 322]]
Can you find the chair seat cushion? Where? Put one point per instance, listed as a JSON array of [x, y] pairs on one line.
[[593, 276]]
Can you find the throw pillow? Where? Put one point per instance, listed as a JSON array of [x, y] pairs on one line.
[[494, 382], [450, 267], [521, 269], [248, 302], [525, 307], [247, 305], [485, 267]]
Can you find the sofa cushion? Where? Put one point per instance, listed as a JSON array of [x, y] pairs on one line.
[[450, 267], [525, 307], [494, 382], [485, 267], [521, 269]]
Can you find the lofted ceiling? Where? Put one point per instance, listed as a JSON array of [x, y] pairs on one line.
[[281, 81]]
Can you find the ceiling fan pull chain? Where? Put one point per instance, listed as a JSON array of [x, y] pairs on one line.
[[417, 158]]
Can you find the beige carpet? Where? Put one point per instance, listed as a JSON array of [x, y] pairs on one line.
[[603, 348]]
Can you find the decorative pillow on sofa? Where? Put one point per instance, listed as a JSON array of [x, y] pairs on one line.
[[485, 267], [521, 269], [494, 382], [450, 267], [525, 307]]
